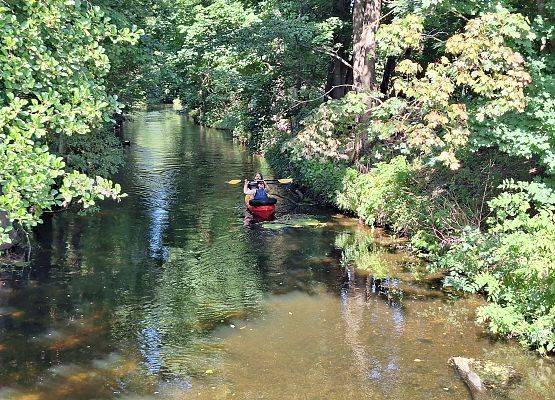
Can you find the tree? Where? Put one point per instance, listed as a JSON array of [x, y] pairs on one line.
[[340, 73], [247, 66], [366, 17], [53, 67]]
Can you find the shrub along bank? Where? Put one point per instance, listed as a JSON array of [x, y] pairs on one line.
[[511, 260]]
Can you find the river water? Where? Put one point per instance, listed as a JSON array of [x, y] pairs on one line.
[[173, 294]]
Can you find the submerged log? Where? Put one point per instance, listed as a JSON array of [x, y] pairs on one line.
[[484, 378], [463, 367]]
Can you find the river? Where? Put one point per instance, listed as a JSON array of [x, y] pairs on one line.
[[173, 294]]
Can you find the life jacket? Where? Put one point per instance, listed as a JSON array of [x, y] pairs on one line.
[[260, 194]]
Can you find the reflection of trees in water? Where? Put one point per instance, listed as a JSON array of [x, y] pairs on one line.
[[104, 261], [177, 171], [198, 290], [206, 278], [155, 159], [150, 342], [374, 296], [214, 269], [290, 259], [222, 273], [352, 310]]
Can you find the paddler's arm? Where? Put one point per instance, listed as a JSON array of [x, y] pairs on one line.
[[267, 187], [246, 189]]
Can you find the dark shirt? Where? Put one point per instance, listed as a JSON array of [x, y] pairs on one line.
[[261, 194]]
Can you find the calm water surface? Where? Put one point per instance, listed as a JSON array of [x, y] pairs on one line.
[[172, 295]]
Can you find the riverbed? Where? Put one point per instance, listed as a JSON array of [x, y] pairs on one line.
[[174, 293]]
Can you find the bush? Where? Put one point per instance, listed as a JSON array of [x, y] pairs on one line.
[[382, 196], [455, 200], [324, 179], [98, 153], [513, 264]]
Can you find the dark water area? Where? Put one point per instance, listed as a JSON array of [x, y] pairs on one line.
[[173, 294]]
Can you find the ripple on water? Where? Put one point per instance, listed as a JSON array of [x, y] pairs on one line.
[[167, 295]]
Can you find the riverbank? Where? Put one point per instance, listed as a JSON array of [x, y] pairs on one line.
[[464, 228]]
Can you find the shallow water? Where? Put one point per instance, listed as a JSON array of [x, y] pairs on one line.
[[173, 294]]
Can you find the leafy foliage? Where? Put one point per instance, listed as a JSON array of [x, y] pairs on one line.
[[381, 196], [403, 33], [471, 89], [429, 115], [328, 133], [144, 74], [52, 80], [248, 66], [359, 251], [323, 179], [514, 264]]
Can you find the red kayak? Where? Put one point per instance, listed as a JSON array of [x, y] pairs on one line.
[[263, 213]]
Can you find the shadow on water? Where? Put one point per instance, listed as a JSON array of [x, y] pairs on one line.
[[168, 295]]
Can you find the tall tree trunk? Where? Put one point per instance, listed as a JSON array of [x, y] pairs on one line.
[[541, 6], [338, 72], [338, 75], [366, 15], [387, 74]]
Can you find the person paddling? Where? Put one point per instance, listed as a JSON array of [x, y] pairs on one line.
[[259, 193], [254, 183]]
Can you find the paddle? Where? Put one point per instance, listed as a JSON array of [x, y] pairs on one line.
[[283, 180]]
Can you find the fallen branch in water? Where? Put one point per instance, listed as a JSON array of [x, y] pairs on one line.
[[463, 367]]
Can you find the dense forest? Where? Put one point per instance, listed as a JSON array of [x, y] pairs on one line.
[[433, 118]]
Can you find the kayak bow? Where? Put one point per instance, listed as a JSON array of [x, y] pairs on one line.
[[263, 213]]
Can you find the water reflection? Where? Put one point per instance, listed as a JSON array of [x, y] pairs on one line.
[[157, 161], [360, 299], [150, 345], [169, 296]]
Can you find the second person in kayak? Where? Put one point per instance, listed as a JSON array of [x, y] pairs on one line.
[[258, 194], [254, 183]]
